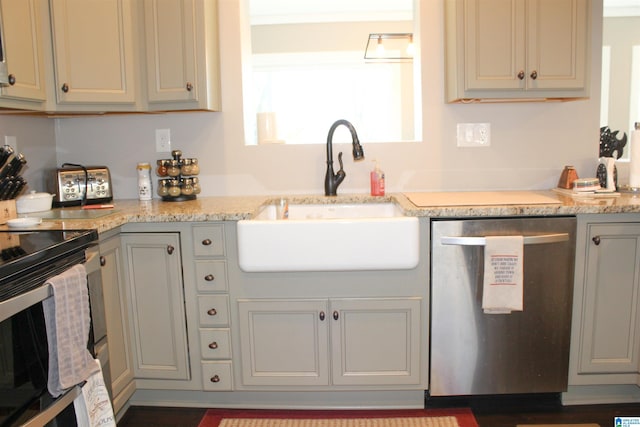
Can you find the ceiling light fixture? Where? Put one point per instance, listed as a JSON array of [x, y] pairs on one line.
[[389, 47]]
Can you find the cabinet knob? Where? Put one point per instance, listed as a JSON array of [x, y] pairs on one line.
[[521, 75], [534, 74], [596, 240], [213, 345], [12, 79], [189, 87], [212, 312], [170, 249], [215, 379], [209, 278], [335, 315], [65, 88], [103, 261], [207, 242], [322, 316]]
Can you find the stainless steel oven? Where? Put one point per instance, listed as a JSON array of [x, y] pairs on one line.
[[28, 260]]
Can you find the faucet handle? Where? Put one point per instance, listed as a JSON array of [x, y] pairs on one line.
[[340, 162], [341, 173]]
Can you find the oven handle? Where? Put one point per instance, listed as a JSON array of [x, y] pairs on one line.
[[41, 293], [56, 408], [528, 240]]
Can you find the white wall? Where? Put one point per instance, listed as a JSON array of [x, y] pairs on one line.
[[530, 142]]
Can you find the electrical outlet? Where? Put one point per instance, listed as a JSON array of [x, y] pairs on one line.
[[474, 134], [163, 140], [12, 141]]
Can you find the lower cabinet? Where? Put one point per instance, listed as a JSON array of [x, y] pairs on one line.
[[117, 317], [323, 342], [606, 324], [153, 274]]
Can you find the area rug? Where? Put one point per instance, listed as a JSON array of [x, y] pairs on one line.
[[458, 417]]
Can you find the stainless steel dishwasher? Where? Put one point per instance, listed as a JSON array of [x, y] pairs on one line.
[[473, 353]]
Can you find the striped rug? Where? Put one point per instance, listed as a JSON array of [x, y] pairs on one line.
[[339, 418]]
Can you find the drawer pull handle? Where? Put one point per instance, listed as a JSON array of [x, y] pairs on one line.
[[596, 240], [521, 75], [170, 249], [322, 316], [103, 261], [209, 278], [534, 74], [335, 315], [212, 312], [213, 345], [65, 88], [207, 242], [12, 79], [215, 379], [189, 87]]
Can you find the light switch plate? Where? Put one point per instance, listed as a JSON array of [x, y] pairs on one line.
[[474, 134]]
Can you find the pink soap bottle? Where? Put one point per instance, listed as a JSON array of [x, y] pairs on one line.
[[377, 180]]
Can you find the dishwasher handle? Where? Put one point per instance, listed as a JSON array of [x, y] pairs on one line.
[[481, 241]]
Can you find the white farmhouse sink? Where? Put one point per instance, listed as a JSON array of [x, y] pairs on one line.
[[329, 237]]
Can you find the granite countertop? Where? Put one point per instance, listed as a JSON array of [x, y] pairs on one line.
[[243, 207]]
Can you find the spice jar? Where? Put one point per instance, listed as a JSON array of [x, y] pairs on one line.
[[174, 188], [187, 187], [161, 170], [195, 168], [196, 186], [174, 168], [186, 168], [163, 187]]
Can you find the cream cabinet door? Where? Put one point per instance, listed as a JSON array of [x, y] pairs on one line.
[[182, 54], [284, 342], [510, 49], [93, 52], [610, 331], [23, 51], [117, 317], [375, 341], [153, 273]]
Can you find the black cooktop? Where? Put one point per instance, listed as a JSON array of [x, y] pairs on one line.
[[25, 252]]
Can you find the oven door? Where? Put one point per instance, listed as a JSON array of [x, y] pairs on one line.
[[24, 356]]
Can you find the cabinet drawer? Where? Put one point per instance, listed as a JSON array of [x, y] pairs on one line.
[[213, 310], [216, 376], [211, 275], [215, 343], [208, 240]]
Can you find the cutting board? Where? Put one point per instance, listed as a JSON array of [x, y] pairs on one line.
[[479, 198]]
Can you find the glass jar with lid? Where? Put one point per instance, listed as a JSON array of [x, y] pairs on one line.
[[187, 187], [186, 168], [161, 169], [173, 169], [174, 188], [196, 185], [195, 168], [163, 187]]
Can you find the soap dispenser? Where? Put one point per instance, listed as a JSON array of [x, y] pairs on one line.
[[377, 180]]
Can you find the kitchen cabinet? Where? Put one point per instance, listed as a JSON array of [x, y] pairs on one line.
[[181, 43], [153, 274], [330, 342], [117, 318], [606, 327], [93, 55], [517, 49], [23, 42]]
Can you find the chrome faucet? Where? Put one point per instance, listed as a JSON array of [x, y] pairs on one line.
[[333, 180]]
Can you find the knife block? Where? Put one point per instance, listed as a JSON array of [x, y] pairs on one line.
[[7, 210]]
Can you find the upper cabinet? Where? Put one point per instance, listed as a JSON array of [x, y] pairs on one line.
[[23, 51], [93, 50], [181, 44], [517, 49]]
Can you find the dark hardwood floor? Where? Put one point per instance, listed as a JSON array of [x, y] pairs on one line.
[[488, 413]]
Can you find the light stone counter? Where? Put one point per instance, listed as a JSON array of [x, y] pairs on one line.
[[243, 207]]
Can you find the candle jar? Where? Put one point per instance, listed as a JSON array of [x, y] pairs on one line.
[[173, 169], [174, 188]]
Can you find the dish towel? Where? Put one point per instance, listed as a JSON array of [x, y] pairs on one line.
[[93, 407], [67, 319], [503, 259]]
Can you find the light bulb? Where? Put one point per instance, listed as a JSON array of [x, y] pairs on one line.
[[380, 47], [410, 47]]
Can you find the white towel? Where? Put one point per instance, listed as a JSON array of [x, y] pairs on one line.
[[67, 320], [503, 259], [93, 407]]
